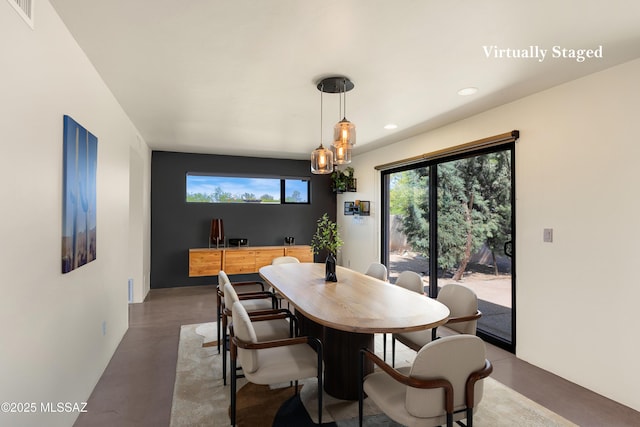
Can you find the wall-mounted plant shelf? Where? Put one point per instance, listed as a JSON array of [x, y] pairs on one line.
[[342, 181]]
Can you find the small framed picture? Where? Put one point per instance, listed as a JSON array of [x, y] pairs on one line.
[[348, 208], [365, 209]]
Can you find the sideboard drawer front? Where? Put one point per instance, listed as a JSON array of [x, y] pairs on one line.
[[303, 254], [265, 256], [204, 263], [239, 262]]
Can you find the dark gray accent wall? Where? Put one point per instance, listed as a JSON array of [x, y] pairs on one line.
[[177, 225]]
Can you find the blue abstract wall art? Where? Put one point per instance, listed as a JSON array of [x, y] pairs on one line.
[[79, 196]]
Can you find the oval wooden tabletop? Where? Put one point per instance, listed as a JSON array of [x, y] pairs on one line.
[[356, 302]]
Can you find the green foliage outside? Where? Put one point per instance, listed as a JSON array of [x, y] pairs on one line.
[[295, 197], [219, 196], [474, 208]]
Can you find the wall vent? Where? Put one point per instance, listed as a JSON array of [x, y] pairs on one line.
[[24, 9]]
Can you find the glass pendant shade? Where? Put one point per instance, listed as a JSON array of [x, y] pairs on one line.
[[341, 153], [344, 132], [321, 161]]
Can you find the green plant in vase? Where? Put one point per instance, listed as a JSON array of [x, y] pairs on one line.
[[327, 237]]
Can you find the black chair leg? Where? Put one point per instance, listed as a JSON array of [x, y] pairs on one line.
[[218, 314], [360, 387], [233, 393], [384, 347], [393, 352], [225, 348], [320, 387]]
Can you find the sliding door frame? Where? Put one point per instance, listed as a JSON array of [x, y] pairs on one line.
[[432, 164]]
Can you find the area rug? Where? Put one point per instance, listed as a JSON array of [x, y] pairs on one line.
[[201, 399]]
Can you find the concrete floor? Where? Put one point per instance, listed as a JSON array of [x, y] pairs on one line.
[[136, 388]]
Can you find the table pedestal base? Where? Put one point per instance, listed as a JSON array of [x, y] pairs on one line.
[[341, 356]]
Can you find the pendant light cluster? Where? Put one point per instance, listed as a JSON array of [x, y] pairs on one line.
[[344, 132]]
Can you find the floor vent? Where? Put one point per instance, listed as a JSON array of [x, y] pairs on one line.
[[24, 9]]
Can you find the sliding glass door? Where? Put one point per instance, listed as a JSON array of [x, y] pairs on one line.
[[465, 205]]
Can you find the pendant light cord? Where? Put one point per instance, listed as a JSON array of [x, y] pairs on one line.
[[344, 87], [321, 91], [340, 103]]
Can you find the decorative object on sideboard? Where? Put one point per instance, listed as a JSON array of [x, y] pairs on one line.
[[289, 240], [327, 237], [238, 241], [216, 235]]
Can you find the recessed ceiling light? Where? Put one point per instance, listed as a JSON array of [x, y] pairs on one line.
[[391, 126], [467, 91]]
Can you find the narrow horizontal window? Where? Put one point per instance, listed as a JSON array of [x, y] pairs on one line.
[[203, 188]]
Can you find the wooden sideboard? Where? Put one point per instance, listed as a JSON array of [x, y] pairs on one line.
[[241, 260]]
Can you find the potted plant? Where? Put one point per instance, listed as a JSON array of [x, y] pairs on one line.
[[342, 181], [327, 237], [338, 181], [351, 181]]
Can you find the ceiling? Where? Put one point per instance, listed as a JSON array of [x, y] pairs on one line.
[[239, 77]]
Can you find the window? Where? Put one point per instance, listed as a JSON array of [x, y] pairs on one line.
[[451, 219], [296, 191], [202, 188]]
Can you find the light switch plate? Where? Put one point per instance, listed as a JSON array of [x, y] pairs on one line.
[[547, 235]]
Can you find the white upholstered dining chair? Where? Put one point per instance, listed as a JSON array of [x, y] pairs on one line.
[[246, 286], [462, 303], [286, 259], [271, 362], [377, 270], [444, 384], [276, 324], [411, 280]]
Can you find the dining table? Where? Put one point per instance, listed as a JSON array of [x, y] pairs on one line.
[[347, 313]]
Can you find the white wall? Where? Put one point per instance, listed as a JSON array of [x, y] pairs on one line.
[[52, 345], [576, 172], [139, 224]]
